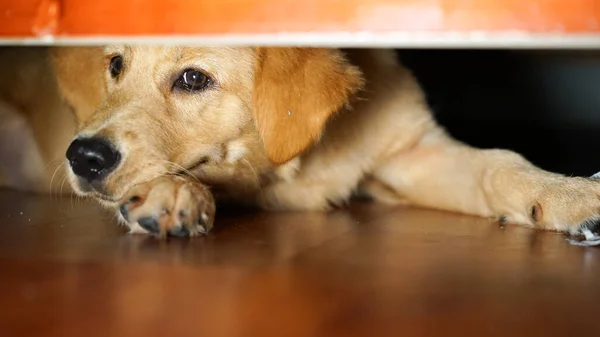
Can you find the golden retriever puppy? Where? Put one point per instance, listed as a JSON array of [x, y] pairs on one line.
[[161, 129]]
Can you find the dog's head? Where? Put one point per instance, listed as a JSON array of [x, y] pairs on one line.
[[148, 111]]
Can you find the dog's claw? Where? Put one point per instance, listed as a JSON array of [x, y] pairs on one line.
[[181, 231], [124, 212], [584, 243], [591, 238], [150, 224]]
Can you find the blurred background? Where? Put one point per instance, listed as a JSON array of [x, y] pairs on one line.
[[543, 104]]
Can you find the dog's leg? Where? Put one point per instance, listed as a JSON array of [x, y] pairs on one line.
[[444, 174], [169, 205], [317, 188]]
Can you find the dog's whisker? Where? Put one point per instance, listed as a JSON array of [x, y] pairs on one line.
[[62, 186], [59, 196], [53, 176], [52, 162], [256, 177], [78, 199], [182, 170], [188, 173]]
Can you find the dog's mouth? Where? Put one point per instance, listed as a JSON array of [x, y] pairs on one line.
[[95, 190], [196, 165], [101, 196], [104, 197]]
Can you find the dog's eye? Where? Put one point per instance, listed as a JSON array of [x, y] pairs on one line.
[[192, 80], [116, 66]]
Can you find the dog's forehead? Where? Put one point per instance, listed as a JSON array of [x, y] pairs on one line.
[[220, 61], [217, 60], [179, 53], [141, 53]]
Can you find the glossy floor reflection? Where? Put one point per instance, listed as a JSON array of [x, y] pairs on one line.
[[67, 270]]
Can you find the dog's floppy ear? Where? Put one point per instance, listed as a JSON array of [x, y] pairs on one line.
[[296, 91], [79, 73]]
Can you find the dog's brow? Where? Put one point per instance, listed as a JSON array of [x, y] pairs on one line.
[[178, 54], [114, 50]]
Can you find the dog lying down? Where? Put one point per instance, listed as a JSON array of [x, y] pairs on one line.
[[164, 131]]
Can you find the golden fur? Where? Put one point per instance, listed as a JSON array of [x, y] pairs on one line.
[[282, 128]]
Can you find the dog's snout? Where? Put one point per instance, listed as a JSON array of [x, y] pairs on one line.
[[92, 158]]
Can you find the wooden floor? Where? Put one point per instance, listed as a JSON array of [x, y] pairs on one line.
[[67, 270]]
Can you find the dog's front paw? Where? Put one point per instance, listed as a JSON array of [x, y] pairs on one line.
[[169, 206], [589, 236], [569, 205]]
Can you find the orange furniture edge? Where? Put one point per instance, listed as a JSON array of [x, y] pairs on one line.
[[79, 18]]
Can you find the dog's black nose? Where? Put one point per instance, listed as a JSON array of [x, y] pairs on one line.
[[92, 158]]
